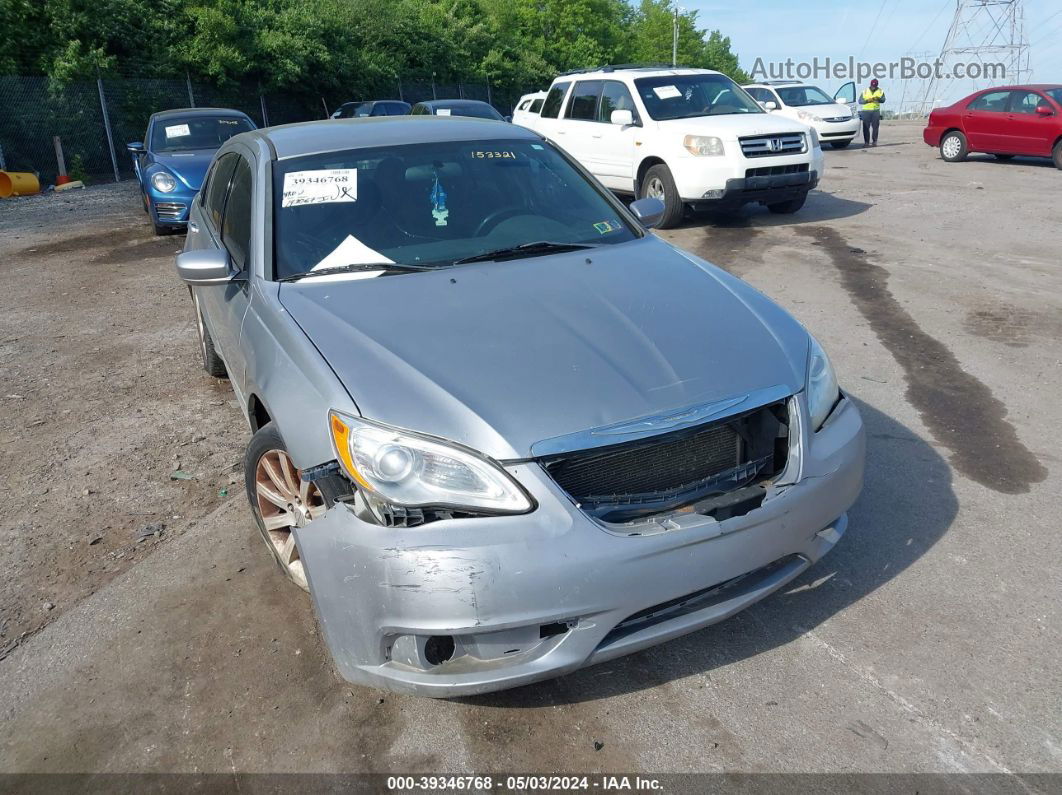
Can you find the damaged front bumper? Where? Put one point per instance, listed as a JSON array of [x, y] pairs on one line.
[[467, 606]]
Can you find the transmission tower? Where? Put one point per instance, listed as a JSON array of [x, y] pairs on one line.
[[982, 33]]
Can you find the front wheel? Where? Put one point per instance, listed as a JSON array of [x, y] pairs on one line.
[[1057, 155], [791, 206], [280, 499], [659, 184], [840, 144], [953, 147], [212, 363]]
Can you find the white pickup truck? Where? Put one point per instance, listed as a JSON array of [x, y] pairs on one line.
[[690, 137]]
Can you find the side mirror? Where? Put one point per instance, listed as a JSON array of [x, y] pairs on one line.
[[622, 117], [136, 147], [1044, 110], [770, 105], [648, 210], [204, 267], [509, 119]]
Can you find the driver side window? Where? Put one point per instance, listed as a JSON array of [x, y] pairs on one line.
[[217, 188]]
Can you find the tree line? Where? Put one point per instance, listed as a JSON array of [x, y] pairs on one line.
[[329, 47]]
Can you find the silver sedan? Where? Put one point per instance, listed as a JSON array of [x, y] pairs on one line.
[[501, 431]]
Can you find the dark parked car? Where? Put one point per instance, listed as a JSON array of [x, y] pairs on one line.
[[173, 157], [1007, 121], [457, 107], [378, 107]]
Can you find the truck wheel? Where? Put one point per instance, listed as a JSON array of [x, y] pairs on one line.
[[212, 363], [840, 144], [280, 499], [658, 184], [791, 206], [953, 147], [1057, 155]]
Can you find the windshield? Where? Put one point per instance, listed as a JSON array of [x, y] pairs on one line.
[[801, 96], [196, 132], [432, 204], [687, 96], [475, 111]]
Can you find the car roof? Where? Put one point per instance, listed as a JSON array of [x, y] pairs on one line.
[[633, 71], [312, 137], [1023, 87], [166, 114], [775, 85]]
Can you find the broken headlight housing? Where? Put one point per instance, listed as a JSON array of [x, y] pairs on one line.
[[822, 390], [703, 145], [409, 470]]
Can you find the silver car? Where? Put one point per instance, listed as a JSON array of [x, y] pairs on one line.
[[501, 431]]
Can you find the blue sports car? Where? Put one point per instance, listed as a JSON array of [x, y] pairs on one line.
[[173, 158]]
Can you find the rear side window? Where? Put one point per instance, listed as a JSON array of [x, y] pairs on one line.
[[583, 104], [214, 202], [536, 106], [236, 229], [551, 107]]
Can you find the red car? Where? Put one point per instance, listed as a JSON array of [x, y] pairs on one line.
[[1008, 121]]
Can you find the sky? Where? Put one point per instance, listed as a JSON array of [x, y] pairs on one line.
[[869, 30]]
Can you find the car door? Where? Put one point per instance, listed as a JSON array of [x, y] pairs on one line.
[[846, 95], [984, 121], [226, 224], [1028, 132], [612, 145], [581, 125]]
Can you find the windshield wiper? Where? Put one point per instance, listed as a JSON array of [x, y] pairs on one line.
[[523, 250], [394, 267]]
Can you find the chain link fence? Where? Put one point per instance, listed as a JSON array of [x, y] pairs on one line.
[[94, 120]]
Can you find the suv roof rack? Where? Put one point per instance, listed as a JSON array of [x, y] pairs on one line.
[[623, 67]]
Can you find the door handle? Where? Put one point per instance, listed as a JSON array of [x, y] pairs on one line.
[[596, 136]]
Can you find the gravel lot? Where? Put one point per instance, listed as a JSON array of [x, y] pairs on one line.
[[928, 641]]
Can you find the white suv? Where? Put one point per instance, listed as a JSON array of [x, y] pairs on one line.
[[528, 107], [831, 117], [690, 137]]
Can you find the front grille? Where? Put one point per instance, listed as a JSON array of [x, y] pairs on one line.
[[838, 119], [776, 171], [773, 145], [625, 481], [169, 211]]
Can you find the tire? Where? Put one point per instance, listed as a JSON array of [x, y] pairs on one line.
[[953, 147], [1003, 157], [274, 487], [212, 363], [840, 144], [1057, 155], [160, 231], [659, 184], [789, 207]]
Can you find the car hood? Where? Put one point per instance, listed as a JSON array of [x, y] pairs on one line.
[[827, 111], [189, 167], [734, 125], [499, 356]]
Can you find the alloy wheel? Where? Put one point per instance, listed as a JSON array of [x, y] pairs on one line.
[[655, 189], [285, 502], [952, 146]]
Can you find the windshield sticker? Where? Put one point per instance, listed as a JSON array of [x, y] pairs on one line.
[[177, 131], [320, 187], [490, 155], [604, 227], [438, 202], [442, 112], [667, 92], [352, 252], [536, 146]]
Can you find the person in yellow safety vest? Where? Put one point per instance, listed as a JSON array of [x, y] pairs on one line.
[[870, 113]]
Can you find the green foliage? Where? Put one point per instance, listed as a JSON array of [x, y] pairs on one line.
[[321, 47], [77, 168]]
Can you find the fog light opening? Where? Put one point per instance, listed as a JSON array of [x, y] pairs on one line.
[[550, 630], [438, 649]]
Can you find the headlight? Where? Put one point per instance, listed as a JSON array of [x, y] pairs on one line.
[[163, 182], [703, 145], [804, 115], [823, 392], [415, 471]]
